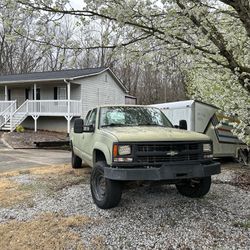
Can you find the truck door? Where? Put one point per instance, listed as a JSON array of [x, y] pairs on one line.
[[87, 138], [77, 138]]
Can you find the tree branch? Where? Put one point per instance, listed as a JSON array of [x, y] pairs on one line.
[[218, 40], [139, 38], [242, 7]]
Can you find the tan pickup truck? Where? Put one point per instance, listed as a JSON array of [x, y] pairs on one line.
[[129, 143]]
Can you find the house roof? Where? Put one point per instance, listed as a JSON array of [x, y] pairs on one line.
[[48, 75], [70, 74]]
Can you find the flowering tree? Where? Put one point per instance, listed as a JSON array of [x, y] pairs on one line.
[[212, 38]]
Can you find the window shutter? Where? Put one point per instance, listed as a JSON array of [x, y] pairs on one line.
[[26, 94], [9, 95], [55, 93]]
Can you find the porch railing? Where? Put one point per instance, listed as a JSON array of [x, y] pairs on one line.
[[5, 104], [12, 117], [19, 115], [6, 114], [54, 107]]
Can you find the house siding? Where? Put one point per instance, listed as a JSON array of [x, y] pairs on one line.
[[2, 95], [75, 92], [100, 90]]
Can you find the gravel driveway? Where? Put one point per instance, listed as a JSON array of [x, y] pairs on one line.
[[148, 217]]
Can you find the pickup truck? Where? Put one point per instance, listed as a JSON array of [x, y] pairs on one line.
[[131, 143]]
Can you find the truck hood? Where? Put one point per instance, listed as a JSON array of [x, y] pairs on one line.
[[147, 133]]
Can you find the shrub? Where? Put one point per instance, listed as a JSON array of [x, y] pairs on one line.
[[20, 129]]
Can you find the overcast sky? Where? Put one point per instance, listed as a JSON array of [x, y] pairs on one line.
[[77, 4]]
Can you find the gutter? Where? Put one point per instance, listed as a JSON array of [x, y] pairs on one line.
[[32, 81]]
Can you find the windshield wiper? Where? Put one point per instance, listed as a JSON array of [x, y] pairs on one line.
[[114, 125], [150, 124]]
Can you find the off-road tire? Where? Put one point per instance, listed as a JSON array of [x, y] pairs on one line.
[[195, 188], [106, 193], [76, 161]]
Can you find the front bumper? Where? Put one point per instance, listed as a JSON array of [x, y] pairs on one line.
[[165, 172]]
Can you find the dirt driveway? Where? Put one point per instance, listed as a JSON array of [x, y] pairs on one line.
[[11, 159]]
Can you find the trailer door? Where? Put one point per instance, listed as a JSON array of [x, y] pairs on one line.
[[203, 116], [177, 114]]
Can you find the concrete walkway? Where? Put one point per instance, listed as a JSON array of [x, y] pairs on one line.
[[11, 159], [2, 146], [19, 159]]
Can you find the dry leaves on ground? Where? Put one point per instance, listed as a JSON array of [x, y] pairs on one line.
[[12, 193], [48, 231]]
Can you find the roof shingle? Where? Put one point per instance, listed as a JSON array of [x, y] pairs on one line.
[[49, 75]]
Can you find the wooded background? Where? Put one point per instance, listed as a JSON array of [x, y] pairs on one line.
[[161, 50]]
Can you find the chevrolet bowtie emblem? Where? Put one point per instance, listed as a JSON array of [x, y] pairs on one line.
[[172, 153]]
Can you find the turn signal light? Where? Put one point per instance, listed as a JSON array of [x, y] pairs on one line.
[[115, 150]]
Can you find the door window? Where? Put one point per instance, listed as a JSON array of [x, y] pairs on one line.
[[91, 118]]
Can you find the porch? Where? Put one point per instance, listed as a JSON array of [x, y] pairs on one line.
[[11, 116], [57, 98]]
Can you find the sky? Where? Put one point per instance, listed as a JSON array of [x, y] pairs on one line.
[[77, 4]]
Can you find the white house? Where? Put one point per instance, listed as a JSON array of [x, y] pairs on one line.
[[43, 100]]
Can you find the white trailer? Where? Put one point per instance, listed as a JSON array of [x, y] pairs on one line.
[[204, 118]]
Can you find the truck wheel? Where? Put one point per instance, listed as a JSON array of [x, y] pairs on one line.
[[76, 161], [106, 193], [194, 188]]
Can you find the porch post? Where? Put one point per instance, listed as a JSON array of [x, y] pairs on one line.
[[35, 117], [68, 118], [5, 93], [35, 106], [34, 91], [68, 97], [35, 125], [68, 126]]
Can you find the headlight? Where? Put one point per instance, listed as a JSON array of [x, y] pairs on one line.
[[124, 150], [207, 148]]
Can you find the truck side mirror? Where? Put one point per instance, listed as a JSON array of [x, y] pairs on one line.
[[78, 126], [183, 124]]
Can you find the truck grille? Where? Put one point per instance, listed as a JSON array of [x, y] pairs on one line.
[[168, 152]]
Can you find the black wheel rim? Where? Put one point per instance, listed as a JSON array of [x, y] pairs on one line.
[[99, 186], [194, 183]]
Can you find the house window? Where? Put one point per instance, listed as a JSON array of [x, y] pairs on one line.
[[60, 93], [106, 78]]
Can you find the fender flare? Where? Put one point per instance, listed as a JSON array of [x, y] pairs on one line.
[[105, 150]]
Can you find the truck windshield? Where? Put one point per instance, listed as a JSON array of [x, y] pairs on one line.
[[133, 116]]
